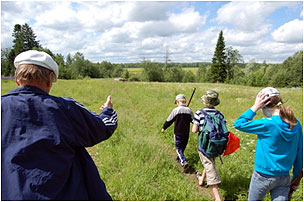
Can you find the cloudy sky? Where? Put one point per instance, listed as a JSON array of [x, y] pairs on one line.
[[128, 31]]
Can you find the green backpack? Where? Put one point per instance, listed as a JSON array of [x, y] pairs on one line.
[[213, 136]]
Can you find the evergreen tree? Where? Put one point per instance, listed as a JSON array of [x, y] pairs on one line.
[[69, 60], [18, 35], [24, 39], [218, 67], [29, 39]]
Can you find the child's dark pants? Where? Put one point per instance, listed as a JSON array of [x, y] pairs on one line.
[[181, 141]]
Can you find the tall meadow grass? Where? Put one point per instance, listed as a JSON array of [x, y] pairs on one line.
[[138, 162]]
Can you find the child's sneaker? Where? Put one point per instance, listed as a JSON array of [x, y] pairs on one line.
[[178, 160], [200, 180], [186, 167]]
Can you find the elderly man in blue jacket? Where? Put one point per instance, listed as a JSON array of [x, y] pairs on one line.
[[44, 137]]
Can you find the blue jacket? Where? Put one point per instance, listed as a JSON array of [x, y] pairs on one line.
[[278, 148], [43, 140]]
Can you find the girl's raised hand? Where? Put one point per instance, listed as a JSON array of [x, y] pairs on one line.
[[261, 101]]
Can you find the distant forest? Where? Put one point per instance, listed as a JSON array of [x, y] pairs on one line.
[[172, 64], [227, 66]]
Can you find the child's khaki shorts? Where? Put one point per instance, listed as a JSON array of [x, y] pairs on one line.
[[211, 174]]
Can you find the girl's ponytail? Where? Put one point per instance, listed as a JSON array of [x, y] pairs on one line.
[[287, 116], [286, 113]]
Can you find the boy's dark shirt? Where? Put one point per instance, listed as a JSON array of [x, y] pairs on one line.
[[182, 117]]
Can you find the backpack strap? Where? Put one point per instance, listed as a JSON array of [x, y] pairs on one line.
[[210, 122], [204, 112], [203, 138]]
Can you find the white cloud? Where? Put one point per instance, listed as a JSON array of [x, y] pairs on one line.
[[248, 16], [15, 13], [117, 35], [152, 43], [148, 11], [156, 28], [291, 32], [187, 21], [240, 38], [128, 31], [97, 17], [273, 52]]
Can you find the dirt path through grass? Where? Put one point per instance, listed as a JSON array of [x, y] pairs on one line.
[[172, 156]]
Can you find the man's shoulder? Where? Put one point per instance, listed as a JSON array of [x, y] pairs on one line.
[[69, 101]]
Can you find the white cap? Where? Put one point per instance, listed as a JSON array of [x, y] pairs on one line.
[[180, 97], [270, 91], [37, 58]]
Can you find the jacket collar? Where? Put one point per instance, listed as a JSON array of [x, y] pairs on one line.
[[27, 90]]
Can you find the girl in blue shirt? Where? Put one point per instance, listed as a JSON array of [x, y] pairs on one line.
[[279, 145]]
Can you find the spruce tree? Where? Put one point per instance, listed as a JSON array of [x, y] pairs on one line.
[[29, 39], [218, 66], [24, 39], [18, 35]]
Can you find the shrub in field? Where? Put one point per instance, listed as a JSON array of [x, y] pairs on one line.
[[152, 71], [189, 77], [134, 78], [174, 74]]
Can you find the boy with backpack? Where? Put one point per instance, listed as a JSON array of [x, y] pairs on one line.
[[212, 139], [182, 117]]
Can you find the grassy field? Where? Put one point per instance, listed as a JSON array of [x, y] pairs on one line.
[[137, 71], [138, 162]]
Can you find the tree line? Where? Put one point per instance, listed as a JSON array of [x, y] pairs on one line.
[[287, 74], [171, 64], [227, 66]]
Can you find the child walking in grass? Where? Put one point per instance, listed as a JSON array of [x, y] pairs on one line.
[[210, 99], [181, 116], [279, 146]]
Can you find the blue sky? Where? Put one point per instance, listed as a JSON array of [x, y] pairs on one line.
[[121, 32], [284, 15]]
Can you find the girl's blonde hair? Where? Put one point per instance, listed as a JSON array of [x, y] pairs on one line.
[[286, 113], [28, 73]]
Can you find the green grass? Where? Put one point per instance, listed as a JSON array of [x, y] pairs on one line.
[[192, 69], [138, 162], [138, 71]]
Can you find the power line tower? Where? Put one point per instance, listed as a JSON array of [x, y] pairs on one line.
[[167, 57]]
